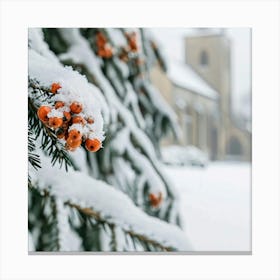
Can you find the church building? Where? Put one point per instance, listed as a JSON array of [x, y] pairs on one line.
[[199, 90]]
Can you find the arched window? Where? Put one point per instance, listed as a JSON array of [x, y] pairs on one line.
[[204, 60]]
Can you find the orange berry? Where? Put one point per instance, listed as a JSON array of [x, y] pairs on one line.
[[155, 200], [90, 120], [78, 119], [55, 87], [72, 145], [93, 145], [43, 113], [101, 40], [133, 45], [66, 116], [105, 52], [152, 198], [100, 44], [58, 104], [76, 107], [74, 135], [101, 52], [132, 41], [55, 122]]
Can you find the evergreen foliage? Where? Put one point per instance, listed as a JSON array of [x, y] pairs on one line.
[[116, 63]]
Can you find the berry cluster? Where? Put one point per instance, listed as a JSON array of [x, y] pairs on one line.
[[104, 48], [155, 200], [69, 123]]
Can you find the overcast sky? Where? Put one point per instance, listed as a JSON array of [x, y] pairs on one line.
[[171, 40]]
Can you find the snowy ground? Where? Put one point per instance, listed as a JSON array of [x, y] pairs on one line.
[[216, 205]]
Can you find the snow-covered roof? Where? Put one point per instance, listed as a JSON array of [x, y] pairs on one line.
[[184, 76]]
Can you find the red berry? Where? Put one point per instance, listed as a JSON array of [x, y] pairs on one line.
[[155, 200], [43, 113], [76, 107], [105, 52], [101, 40], [55, 122], [55, 87], [74, 135], [72, 145], [93, 145], [78, 119], [58, 104]]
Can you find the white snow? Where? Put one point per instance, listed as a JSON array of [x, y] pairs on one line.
[[111, 204], [122, 66], [121, 144], [31, 246], [216, 205], [124, 176], [184, 76], [76, 126], [55, 113], [67, 238], [182, 155], [37, 43], [116, 36], [86, 130], [120, 238]]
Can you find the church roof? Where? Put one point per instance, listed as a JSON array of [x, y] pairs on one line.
[[182, 75]]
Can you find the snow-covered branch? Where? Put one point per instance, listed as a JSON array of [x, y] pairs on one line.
[[79, 52], [105, 203], [134, 206]]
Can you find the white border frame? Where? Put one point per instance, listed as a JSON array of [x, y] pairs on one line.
[[262, 16]]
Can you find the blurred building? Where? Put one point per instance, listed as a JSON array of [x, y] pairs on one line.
[[199, 90]]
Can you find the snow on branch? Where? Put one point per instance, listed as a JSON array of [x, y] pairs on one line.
[[73, 89], [160, 104], [80, 52], [68, 239], [103, 202], [141, 163], [37, 43]]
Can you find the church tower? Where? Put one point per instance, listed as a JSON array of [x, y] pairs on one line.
[[208, 53]]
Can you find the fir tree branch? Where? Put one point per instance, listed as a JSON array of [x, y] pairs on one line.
[[91, 213], [49, 141], [33, 158], [149, 110], [38, 219]]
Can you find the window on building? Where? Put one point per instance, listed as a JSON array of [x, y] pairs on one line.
[[204, 60]]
